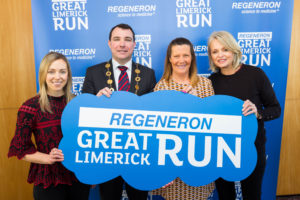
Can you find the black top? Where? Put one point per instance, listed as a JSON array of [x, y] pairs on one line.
[[251, 83]]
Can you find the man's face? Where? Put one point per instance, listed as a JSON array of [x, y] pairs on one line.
[[121, 45]]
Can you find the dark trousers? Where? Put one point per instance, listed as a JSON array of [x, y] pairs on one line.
[[251, 186], [76, 191], [112, 190]]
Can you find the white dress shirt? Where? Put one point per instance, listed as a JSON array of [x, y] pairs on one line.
[[117, 71]]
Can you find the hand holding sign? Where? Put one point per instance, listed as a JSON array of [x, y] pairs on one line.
[[152, 139]]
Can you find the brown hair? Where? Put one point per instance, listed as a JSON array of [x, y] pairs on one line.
[[168, 66], [122, 26]]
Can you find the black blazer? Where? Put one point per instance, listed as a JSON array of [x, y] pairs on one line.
[[95, 79]]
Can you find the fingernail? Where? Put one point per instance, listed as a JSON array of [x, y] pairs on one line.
[[183, 91]]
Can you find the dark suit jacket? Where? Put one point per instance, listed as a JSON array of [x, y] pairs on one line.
[[95, 79]]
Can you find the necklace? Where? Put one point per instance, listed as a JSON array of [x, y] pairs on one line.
[[110, 81]]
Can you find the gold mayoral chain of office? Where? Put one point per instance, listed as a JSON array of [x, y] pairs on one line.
[[110, 81]]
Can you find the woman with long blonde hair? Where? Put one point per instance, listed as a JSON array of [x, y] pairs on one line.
[[41, 116]]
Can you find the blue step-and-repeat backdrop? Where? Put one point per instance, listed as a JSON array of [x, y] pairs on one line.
[[79, 29]]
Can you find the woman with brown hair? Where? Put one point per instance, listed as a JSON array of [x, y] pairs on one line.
[[180, 73]]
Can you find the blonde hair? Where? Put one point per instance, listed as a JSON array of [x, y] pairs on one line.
[[43, 70], [228, 41], [168, 66]]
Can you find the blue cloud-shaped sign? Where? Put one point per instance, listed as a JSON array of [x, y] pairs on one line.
[[152, 139]]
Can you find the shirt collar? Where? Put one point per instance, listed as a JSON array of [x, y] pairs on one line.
[[116, 64]]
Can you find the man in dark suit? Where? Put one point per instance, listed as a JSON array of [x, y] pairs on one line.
[[119, 73]]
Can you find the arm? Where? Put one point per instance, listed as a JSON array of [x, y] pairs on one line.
[[22, 145], [55, 155], [271, 107], [203, 88], [160, 86], [190, 90], [153, 81], [88, 85], [211, 90]]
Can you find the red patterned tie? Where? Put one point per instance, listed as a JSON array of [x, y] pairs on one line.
[[123, 79]]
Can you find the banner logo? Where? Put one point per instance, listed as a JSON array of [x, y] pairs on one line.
[[256, 48], [259, 7], [69, 15], [148, 137], [77, 54], [200, 50], [142, 51], [132, 10], [77, 83], [195, 13]]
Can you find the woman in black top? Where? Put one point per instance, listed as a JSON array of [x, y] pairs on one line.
[[251, 85]]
